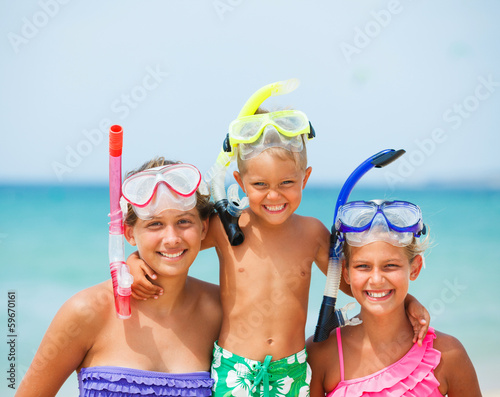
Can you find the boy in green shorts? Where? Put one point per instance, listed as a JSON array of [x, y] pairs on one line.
[[264, 281]]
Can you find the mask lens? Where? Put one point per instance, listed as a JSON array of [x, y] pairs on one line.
[[401, 214], [245, 129], [366, 222], [183, 179], [139, 188], [357, 215], [164, 199], [290, 123]]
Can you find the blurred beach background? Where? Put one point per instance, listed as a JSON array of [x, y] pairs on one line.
[[420, 76]]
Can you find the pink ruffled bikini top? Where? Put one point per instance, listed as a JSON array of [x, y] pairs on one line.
[[412, 375], [127, 382]]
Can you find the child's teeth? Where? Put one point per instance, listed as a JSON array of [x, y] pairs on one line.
[[171, 255], [275, 207], [378, 294]]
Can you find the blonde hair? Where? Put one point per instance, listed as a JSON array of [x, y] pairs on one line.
[[203, 205], [416, 247]]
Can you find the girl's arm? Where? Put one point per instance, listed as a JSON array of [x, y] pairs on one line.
[[63, 348], [455, 372]]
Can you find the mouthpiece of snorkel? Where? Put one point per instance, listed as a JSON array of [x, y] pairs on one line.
[[229, 208], [230, 223], [329, 318]]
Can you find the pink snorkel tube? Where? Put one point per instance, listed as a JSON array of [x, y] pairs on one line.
[[122, 280]]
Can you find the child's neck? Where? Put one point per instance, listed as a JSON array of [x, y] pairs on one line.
[[393, 327], [174, 293]]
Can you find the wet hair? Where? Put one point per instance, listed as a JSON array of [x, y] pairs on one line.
[[299, 158], [203, 205]]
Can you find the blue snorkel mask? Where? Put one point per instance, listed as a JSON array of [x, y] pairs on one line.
[[329, 318], [362, 222]]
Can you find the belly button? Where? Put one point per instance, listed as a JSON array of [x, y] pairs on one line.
[[270, 341]]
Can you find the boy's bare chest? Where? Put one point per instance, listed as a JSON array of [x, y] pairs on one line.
[[260, 258]]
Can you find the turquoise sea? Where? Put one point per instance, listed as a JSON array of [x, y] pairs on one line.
[[53, 243]]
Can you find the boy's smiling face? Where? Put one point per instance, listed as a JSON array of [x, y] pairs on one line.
[[273, 185]]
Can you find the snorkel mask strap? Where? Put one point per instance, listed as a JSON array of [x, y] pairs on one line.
[[230, 208], [329, 318]]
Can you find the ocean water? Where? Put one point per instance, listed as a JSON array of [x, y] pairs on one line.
[[53, 243]]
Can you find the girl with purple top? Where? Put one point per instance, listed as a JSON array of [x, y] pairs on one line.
[[165, 348]]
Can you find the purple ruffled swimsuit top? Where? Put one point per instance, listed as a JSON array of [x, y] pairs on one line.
[[128, 382]]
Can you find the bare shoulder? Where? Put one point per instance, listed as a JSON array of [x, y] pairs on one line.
[[90, 309], [324, 361], [455, 371], [208, 305], [311, 222], [317, 237], [323, 354], [312, 229], [316, 351], [447, 344], [95, 301], [208, 293], [69, 337]]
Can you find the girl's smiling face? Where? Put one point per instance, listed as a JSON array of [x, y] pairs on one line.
[[170, 242], [379, 275]]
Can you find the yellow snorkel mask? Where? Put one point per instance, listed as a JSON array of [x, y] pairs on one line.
[[253, 133], [249, 135]]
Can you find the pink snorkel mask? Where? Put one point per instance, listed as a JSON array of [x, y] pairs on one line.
[[157, 189]]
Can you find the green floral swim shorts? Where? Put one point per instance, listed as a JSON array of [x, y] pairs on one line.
[[241, 377]]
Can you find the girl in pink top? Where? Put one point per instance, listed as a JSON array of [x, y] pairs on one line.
[[378, 357]]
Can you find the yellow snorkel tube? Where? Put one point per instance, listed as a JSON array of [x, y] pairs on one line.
[[274, 89], [229, 206]]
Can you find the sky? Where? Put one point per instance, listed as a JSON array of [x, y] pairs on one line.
[[405, 74]]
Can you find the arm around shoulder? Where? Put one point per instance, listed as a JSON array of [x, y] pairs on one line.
[[63, 347], [455, 372]]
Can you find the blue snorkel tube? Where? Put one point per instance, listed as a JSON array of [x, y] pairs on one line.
[[329, 318]]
